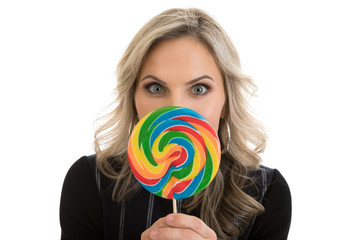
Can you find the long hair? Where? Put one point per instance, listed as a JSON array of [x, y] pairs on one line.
[[223, 205]]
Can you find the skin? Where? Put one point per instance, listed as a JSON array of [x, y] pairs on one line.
[[180, 72], [179, 226]]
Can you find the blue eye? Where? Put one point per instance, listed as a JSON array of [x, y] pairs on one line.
[[200, 89], [155, 89]]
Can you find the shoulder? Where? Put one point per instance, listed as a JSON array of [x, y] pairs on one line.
[[81, 175], [279, 184], [79, 170], [275, 221], [278, 193], [80, 204], [267, 179], [277, 199]]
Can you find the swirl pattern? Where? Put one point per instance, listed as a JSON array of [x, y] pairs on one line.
[[174, 152]]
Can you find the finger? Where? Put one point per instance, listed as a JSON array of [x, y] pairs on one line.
[[170, 233], [161, 222], [190, 222]]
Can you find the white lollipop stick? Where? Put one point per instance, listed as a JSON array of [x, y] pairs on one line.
[[174, 206]]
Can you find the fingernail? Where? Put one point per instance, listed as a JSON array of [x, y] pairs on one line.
[[154, 234], [169, 218]]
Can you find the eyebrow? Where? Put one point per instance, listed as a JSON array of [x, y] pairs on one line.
[[188, 83]]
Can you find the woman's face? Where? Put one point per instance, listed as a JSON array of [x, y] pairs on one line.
[[183, 73]]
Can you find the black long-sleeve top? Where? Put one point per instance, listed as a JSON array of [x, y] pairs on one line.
[[88, 212]]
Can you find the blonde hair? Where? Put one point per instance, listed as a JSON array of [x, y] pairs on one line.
[[224, 199]]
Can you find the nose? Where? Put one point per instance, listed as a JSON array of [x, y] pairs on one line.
[[178, 99]]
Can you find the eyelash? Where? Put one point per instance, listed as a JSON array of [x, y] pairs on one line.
[[205, 85], [149, 85]]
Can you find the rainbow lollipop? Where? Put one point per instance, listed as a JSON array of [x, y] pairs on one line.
[[174, 152]]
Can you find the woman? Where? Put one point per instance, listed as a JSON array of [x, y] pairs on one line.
[[181, 57]]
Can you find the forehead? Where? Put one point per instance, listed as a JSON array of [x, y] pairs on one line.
[[182, 56]]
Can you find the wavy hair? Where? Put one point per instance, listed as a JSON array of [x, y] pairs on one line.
[[223, 205]]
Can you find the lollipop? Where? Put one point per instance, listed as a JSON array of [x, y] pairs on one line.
[[174, 152]]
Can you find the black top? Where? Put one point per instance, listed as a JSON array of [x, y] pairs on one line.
[[87, 211]]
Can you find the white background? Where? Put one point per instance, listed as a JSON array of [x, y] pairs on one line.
[[57, 63]]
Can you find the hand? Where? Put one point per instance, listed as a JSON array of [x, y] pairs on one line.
[[179, 226]]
